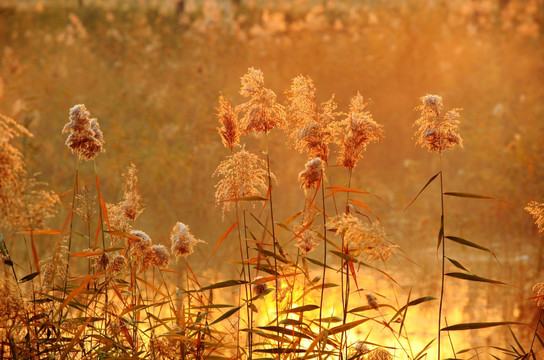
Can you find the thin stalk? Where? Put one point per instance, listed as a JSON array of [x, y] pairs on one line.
[[345, 281], [247, 286], [74, 194], [442, 231], [101, 220], [273, 234], [324, 248], [273, 228]]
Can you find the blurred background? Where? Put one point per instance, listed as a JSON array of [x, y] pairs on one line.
[[151, 73]]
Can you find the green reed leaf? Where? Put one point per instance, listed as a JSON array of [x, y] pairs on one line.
[[469, 195], [280, 351], [472, 277], [300, 309], [282, 330], [223, 284], [465, 242], [319, 263], [411, 303], [225, 315], [424, 187], [29, 277], [346, 327], [478, 325], [457, 264]]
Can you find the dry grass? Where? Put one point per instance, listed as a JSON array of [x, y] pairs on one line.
[[327, 272]]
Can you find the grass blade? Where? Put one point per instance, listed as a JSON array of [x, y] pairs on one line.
[[478, 325], [457, 264], [465, 242], [472, 277], [424, 187]]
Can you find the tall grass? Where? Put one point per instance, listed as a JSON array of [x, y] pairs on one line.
[[308, 284], [289, 305]]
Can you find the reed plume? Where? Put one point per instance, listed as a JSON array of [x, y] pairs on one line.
[[364, 242], [229, 131], [86, 139], [251, 178], [309, 178], [132, 199], [156, 256], [355, 132], [537, 211], [183, 241], [309, 127], [261, 113], [434, 132]]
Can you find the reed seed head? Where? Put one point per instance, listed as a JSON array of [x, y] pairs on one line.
[[537, 211], [85, 139], [365, 242], [310, 128], [258, 287], [241, 175], [433, 132], [307, 241], [261, 113], [117, 263], [309, 178], [361, 348], [229, 131], [356, 132], [379, 354], [132, 199], [183, 241], [371, 299], [157, 256], [538, 289], [139, 243]]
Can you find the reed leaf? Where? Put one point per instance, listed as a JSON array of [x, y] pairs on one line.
[[478, 325], [465, 242], [457, 264], [422, 189], [472, 277], [29, 277]]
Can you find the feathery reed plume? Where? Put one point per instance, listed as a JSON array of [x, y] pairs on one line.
[[379, 354], [308, 241], [155, 255], [250, 177], [363, 241], [86, 205], [538, 289], [117, 220], [309, 128], [229, 132], [311, 175], [183, 241], [261, 113], [356, 132], [360, 349], [85, 139], [371, 299], [140, 242], [117, 263], [23, 205], [258, 287], [132, 199], [436, 134], [537, 211], [55, 267]]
